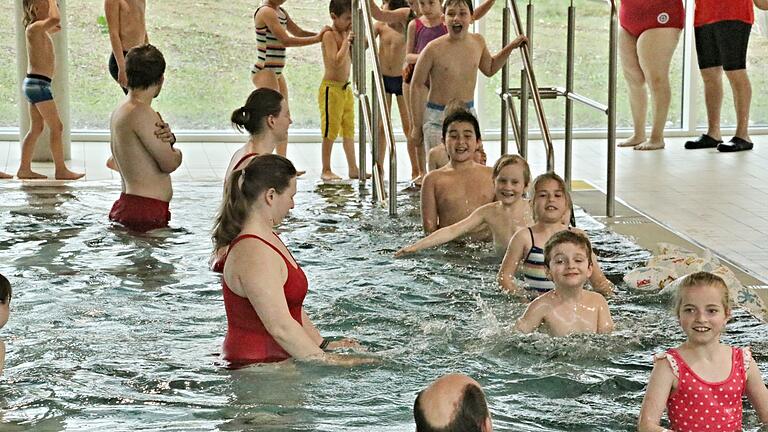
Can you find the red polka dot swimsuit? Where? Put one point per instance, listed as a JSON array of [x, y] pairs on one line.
[[698, 405]]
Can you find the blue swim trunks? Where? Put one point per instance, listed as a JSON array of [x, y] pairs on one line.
[[393, 84], [37, 88]]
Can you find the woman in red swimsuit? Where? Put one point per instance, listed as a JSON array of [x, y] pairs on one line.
[[650, 30], [263, 285]]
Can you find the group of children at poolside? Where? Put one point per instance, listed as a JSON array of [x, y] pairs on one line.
[[464, 197]]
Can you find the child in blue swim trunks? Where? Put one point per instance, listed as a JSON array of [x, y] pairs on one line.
[[41, 19]]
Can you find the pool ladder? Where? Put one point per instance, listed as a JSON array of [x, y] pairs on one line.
[[519, 123], [372, 116]]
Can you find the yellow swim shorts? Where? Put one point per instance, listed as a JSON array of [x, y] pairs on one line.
[[337, 109]]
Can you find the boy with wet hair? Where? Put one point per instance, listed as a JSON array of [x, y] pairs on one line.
[[450, 64], [453, 192], [5, 304], [127, 29], [334, 98], [569, 308], [144, 161]]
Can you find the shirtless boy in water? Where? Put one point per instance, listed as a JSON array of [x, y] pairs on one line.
[[143, 160], [569, 308], [127, 29], [450, 63], [453, 192]]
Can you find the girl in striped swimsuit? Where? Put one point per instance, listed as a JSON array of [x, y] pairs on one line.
[[550, 203], [275, 31]]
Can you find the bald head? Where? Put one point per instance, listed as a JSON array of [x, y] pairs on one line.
[[453, 403]]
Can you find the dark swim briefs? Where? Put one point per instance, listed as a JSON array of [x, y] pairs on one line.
[[113, 69], [393, 85], [138, 213]]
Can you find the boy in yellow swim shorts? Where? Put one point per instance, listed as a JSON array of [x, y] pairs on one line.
[[335, 99]]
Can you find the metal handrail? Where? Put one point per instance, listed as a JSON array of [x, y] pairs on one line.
[[365, 105], [383, 111], [533, 86]]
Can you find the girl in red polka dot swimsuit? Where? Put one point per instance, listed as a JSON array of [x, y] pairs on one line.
[[701, 382]]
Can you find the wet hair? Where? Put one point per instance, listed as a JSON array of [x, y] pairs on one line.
[[5, 290], [144, 66], [459, 115], [261, 103], [467, 3], [397, 4], [541, 179], [512, 159], [243, 187], [700, 279], [339, 7], [469, 417], [29, 12], [567, 236]]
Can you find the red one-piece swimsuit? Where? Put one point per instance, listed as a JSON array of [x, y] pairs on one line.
[[247, 340]]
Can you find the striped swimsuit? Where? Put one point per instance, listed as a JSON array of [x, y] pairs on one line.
[[535, 272], [271, 52]]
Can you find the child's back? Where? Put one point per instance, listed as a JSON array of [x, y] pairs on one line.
[[40, 50]]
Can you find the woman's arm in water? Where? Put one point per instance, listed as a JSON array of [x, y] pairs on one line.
[[269, 17], [482, 9], [314, 333], [656, 395], [444, 235], [518, 245]]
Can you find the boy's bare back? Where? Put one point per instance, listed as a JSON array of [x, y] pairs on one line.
[[132, 27], [145, 162], [337, 63]]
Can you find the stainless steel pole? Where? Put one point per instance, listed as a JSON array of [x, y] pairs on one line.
[[612, 81], [525, 94], [569, 88], [358, 70], [375, 124], [504, 83]]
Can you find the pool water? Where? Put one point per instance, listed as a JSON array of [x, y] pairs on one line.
[[110, 331]]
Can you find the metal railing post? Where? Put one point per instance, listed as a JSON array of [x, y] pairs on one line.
[[525, 95], [375, 124], [613, 56], [537, 104], [570, 49], [358, 70], [504, 82]]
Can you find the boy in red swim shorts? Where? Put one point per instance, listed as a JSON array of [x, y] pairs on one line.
[[143, 159], [722, 35]]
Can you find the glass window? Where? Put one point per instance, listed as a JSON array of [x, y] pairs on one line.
[[591, 65], [9, 89]]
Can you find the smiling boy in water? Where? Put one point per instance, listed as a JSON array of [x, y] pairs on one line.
[[569, 308]]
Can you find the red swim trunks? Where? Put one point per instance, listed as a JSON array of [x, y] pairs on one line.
[[637, 16], [140, 213]]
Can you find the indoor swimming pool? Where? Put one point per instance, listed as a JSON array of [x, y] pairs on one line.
[[111, 331]]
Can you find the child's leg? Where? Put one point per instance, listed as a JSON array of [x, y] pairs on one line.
[[405, 119], [713, 97], [742, 97], [50, 115], [28, 145], [638, 97], [655, 48], [382, 137], [327, 174], [349, 152]]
